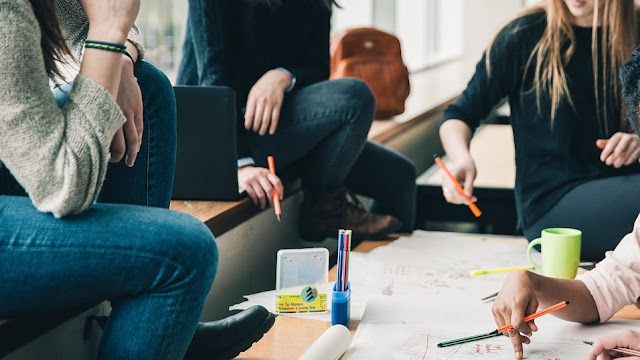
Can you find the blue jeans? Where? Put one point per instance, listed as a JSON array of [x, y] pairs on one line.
[[150, 181], [326, 124], [155, 265]]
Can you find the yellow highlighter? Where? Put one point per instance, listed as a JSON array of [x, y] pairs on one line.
[[500, 270]]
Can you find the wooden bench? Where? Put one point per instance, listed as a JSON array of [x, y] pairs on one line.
[[493, 151]]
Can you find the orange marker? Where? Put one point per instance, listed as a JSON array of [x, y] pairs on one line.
[[555, 307], [456, 184], [276, 196]]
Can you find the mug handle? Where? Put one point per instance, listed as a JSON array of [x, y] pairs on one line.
[[533, 243]]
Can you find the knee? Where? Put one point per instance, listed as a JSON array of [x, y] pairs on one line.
[[359, 96], [406, 168], [193, 246], [154, 85]]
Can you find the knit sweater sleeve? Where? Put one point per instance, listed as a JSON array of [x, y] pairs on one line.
[[59, 156], [75, 26]]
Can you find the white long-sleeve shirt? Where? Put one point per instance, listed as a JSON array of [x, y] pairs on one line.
[[615, 282]]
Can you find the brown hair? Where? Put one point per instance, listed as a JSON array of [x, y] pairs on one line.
[[557, 45], [54, 47]]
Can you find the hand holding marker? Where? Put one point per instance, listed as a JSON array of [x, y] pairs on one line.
[[456, 184], [504, 328]]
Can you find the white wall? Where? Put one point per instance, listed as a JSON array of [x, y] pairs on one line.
[[482, 19]]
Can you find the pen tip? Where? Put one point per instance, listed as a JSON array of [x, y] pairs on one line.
[[279, 218], [567, 302]]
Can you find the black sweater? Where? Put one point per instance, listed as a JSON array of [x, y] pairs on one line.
[[234, 42], [550, 159]]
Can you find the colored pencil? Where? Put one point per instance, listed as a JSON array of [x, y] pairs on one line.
[[502, 329], [500, 270], [276, 196], [620, 350], [456, 184], [536, 315], [489, 297]]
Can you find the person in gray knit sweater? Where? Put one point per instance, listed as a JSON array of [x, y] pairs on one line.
[[59, 248]]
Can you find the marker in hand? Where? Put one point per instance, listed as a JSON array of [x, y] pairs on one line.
[[276, 196], [456, 184]]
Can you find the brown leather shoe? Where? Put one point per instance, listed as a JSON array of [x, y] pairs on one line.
[[342, 210]]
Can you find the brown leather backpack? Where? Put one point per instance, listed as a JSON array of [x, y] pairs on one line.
[[375, 57]]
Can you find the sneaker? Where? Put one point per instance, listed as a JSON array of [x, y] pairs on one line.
[[227, 338], [343, 210]]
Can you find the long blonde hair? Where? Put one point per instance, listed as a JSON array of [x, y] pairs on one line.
[[557, 45]]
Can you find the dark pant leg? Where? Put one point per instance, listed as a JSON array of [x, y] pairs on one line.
[[603, 209], [327, 124], [150, 181], [389, 178]]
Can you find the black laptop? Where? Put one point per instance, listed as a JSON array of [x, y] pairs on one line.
[[206, 161]]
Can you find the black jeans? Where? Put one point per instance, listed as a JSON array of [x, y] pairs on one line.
[[603, 209], [326, 124]]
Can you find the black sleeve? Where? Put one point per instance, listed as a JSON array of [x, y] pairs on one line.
[[314, 46], [208, 31], [485, 91]]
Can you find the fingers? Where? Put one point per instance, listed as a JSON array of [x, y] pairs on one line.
[[266, 118], [267, 188], [117, 149], [249, 112], [516, 341], [132, 141], [277, 184], [468, 187], [258, 116], [620, 150], [257, 194], [259, 184], [601, 143], [275, 116], [620, 153]]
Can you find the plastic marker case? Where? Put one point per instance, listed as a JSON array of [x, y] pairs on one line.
[[341, 306], [302, 280]]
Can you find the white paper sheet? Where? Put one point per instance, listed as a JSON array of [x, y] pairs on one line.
[[409, 328]]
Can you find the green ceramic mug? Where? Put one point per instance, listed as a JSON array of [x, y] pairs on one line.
[[560, 252]]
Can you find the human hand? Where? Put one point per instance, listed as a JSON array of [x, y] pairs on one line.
[[259, 184], [628, 339], [465, 172], [516, 299], [110, 17], [129, 138], [622, 149], [264, 102]]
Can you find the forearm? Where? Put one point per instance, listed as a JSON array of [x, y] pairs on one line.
[[104, 67], [549, 291], [455, 136]]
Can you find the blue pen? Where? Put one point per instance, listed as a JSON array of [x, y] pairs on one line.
[[339, 274]]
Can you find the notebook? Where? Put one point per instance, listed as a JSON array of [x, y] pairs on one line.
[[206, 160]]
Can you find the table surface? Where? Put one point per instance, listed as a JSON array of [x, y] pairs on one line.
[[290, 337], [493, 151]]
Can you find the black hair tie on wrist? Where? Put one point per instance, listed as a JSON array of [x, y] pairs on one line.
[[126, 53]]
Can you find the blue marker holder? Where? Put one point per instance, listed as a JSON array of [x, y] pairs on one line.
[[341, 305]]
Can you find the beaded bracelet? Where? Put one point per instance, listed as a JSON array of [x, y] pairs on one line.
[[102, 45]]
